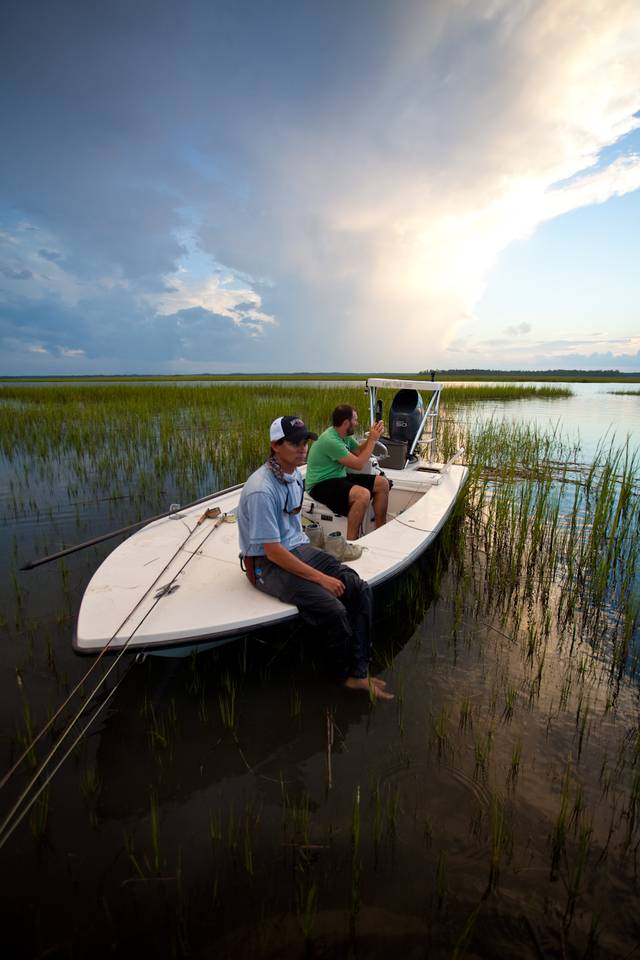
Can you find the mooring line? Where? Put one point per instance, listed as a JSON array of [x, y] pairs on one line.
[[105, 650]]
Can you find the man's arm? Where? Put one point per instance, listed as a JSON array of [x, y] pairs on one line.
[[356, 461], [282, 557]]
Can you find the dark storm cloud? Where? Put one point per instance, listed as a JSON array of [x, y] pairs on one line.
[[13, 273], [96, 327]]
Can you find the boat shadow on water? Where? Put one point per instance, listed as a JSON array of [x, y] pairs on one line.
[[261, 706]]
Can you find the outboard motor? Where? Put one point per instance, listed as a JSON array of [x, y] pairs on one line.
[[405, 415]]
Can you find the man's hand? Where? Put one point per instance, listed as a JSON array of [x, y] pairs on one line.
[[356, 461], [332, 584], [376, 431], [282, 557]]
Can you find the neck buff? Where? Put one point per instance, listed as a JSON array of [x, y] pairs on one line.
[[275, 468]]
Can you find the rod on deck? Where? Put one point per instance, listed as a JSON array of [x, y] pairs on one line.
[[114, 533]]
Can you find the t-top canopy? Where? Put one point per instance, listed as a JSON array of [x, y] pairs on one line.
[[404, 384]]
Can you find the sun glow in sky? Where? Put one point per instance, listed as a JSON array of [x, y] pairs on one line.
[[277, 185]]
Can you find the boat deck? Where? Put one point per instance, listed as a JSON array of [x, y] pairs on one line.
[[174, 583]]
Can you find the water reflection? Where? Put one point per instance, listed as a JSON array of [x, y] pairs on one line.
[[593, 415], [165, 725], [494, 805]]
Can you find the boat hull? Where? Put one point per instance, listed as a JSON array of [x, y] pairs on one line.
[[175, 585]]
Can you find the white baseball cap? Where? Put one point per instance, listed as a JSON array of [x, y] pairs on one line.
[[290, 428]]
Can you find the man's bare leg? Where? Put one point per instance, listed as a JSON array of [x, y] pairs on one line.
[[373, 686], [359, 500], [380, 500]]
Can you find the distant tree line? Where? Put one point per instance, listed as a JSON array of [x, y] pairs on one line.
[[481, 372]]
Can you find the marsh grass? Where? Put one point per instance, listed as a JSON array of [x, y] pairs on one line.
[[457, 395], [440, 732], [137, 440], [557, 539], [25, 735], [536, 579], [227, 701]]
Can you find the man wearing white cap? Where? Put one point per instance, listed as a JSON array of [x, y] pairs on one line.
[[280, 561]]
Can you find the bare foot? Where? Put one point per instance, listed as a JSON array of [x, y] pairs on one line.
[[375, 690]]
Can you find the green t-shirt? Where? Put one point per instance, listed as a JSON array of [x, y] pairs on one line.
[[322, 462]]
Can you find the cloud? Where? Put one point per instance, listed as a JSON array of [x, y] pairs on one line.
[[394, 210], [87, 332], [518, 329], [200, 282], [586, 352], [337, 194], [15, 273], [71, 352]]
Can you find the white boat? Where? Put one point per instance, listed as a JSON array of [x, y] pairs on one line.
[[176, 584]]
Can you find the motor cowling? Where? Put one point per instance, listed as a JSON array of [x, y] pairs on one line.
[[405, 415]]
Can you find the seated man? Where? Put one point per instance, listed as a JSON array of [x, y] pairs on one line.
[[327, 477], [280, 561]]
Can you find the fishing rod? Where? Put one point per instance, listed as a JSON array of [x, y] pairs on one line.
[[8, 825], [115, 533], [207, 515]]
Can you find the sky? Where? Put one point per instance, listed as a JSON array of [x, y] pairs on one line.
[[358, 185]]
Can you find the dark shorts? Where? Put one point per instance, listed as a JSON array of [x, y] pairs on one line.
[[335, 492]]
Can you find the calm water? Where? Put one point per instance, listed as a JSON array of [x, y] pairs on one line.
[[593, 414], [491, 809]]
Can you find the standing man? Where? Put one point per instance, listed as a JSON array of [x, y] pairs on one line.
[[327, 477], [280, 561]]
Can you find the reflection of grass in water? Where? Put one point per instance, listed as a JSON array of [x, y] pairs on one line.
[[91, 787], [154, 824], [498, 839], [356, 864], [560, 827], [39, 816], [481, 752], [514, 767], [543, 555], [465, 720]]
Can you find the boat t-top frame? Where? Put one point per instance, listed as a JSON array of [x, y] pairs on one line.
[[430, 415]]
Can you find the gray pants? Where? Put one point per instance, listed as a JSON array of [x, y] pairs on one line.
[[347, 619]]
